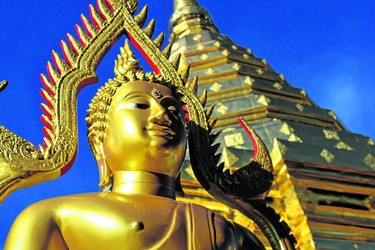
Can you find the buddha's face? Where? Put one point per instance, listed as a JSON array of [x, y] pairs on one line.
[[145, 130]]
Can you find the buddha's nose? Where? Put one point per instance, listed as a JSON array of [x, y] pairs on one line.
[[160, 115]]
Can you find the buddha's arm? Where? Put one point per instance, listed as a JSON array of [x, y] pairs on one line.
[[35, 228], [246, 239], [229, 235]]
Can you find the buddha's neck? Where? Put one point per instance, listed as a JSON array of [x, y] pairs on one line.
[[142, 182]]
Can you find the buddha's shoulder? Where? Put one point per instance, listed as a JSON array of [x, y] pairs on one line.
[[54, 203], [101, 201], [67, 199]]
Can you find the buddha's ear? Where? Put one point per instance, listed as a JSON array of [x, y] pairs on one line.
[[105, 172]]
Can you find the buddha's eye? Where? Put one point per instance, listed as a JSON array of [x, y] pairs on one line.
[[174, 111], [172, 106], [137, 105]]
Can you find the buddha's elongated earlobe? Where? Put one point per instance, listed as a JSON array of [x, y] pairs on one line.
[[105, 172]]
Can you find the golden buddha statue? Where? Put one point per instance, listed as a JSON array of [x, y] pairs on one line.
[[138, 135], [136, 130]]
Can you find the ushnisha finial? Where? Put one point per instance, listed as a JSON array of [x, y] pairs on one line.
[[126, 62]]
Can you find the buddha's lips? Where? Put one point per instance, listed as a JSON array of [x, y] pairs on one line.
[[159, 130]]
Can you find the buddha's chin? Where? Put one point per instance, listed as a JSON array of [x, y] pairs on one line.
[[164, 150], [160, 142], [172, 156], [164, 142]]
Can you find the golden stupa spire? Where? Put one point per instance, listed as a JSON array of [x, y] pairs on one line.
[[189, 17]]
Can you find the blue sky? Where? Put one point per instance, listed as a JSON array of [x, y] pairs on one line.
[[326, 47]]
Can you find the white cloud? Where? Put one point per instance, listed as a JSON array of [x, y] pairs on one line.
[[342, 82], [349, 95]]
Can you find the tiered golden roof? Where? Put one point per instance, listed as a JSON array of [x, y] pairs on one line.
[[325, 179]]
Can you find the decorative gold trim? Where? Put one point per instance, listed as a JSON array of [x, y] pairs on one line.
[[331, 135], [277, 86], [370, 141], [343, 145], [369, 160], [326, 155], [286, 202]]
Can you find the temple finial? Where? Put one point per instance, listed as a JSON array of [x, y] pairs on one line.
[[189, 17]]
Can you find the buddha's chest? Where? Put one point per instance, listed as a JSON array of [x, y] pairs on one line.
[[175, 226]]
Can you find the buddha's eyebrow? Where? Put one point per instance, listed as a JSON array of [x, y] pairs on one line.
[[171, 100], [133, 95]]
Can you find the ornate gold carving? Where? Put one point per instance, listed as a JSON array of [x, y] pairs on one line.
[[303, 92], [249, 80], [286, 129], [369, 160], [326, 155], [370, 141], [259, 71], [217, 44], [294, 138], [370, 202], [225, 52], [221, 108], [236, 66], [204, 57], [234, 47], [200, 47], [343, 145], [13, 146], [246, 56], [277, 86], [263, 100], [331, 135], [279, 146], [197, 37], [300, 107], [287, 203], [209, 71], [126, 64], [176, 44], [234, 140], [216, 87], [58, 153], [332, 114]]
